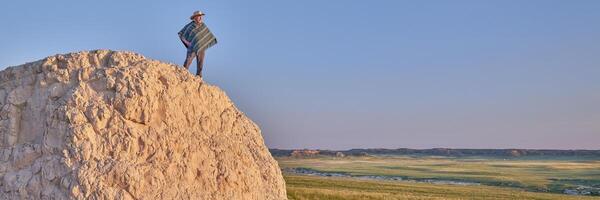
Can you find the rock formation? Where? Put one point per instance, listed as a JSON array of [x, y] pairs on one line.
[[115, 125], [305, 153]]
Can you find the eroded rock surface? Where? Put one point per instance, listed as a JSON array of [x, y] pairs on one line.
[[115, 125]]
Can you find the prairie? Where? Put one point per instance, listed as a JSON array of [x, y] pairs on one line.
[[432, 177]]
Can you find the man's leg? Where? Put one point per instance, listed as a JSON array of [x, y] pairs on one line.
[[188, 59], [200, 62]]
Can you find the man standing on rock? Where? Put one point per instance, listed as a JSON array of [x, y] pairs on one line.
[[196, 38]]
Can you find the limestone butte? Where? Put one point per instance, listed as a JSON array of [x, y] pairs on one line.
[[115, 125]]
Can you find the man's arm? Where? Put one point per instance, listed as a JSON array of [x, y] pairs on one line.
[[187, 43], [180, 33]]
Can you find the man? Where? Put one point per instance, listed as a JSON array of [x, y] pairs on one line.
[[196, 38]]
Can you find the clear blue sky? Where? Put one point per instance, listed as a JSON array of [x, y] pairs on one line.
[[341, 74]]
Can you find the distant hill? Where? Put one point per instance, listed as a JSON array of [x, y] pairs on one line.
[[436, 152]]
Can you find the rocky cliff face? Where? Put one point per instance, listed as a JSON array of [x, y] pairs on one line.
[[115, 125]]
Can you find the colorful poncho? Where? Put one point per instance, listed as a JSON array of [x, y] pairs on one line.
[[199, 35]]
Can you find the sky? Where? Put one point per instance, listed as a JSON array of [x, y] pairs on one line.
[[342, 74]]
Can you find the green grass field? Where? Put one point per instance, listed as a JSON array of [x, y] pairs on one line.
[[533, 178], [312, 187]]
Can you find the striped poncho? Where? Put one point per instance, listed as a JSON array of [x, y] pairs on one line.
[[199, 35]]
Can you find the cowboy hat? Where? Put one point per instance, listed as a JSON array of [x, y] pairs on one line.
[[196, 13]]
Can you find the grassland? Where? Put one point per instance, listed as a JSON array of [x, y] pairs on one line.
[[533, 178], [313, 187]]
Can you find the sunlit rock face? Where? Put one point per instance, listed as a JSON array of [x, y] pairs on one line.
[[115, 125]]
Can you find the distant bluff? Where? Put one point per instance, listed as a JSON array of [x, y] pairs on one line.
[[115, 125]]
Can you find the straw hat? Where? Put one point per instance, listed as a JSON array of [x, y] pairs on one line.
[[196, 13]]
